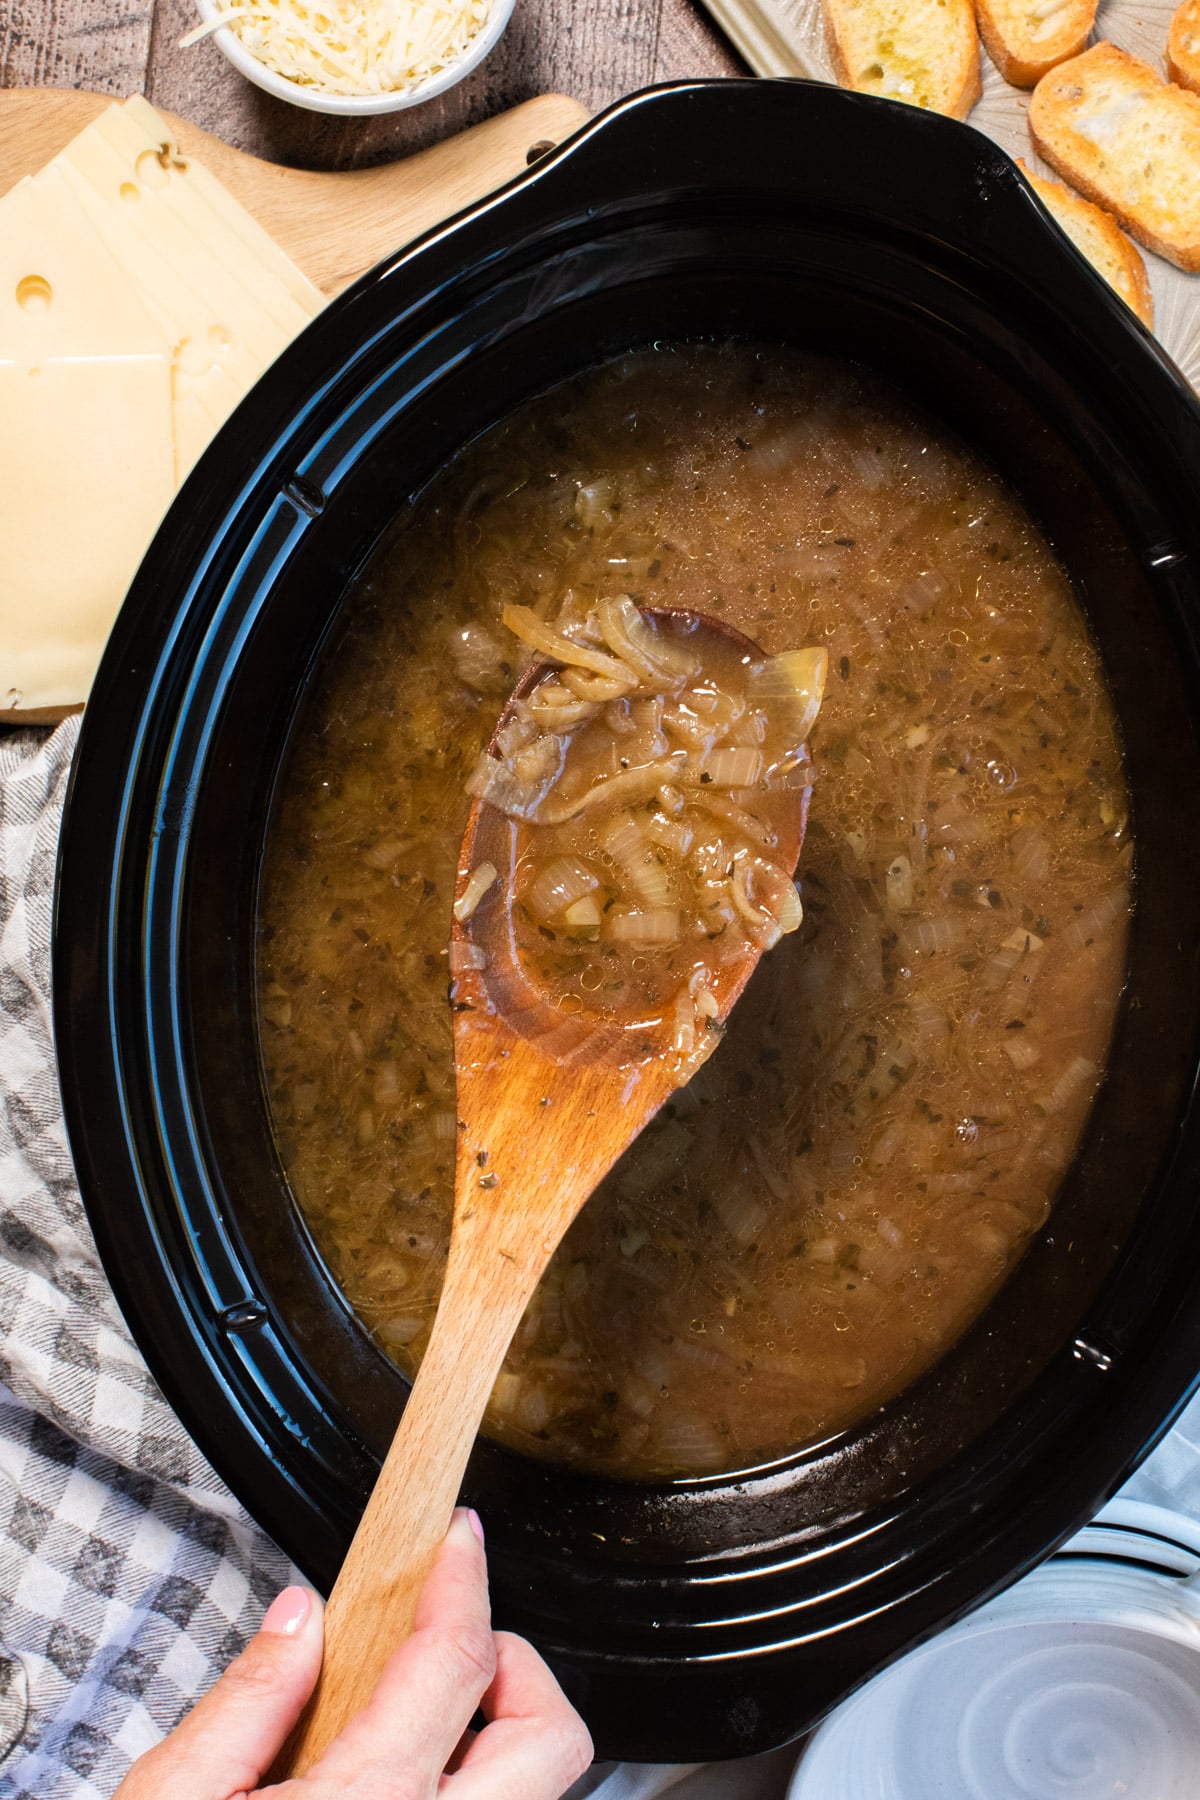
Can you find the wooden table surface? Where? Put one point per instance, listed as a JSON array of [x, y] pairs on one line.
[[595, 50]]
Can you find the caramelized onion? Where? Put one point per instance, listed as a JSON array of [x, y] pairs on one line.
[[767, 899], [631, 784], [721, 807], [730, 768], [634, 640], [597, 687], [634, 854], [494, 781], [524, 623], [673, 834], [795, 679], [658, 927], [478, 883], [557, 885]]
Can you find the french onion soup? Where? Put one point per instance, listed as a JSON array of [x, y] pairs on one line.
[[653, 778], [826, 1205]]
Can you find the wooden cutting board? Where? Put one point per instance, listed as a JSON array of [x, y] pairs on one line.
[[334, 226]]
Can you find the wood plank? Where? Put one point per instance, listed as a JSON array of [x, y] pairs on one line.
[[691, 44], [100, 44]]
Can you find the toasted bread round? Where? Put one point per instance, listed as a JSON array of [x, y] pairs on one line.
[[1128, 140], [925, 52], [1026, 38], [1183, 46], [1097, 234]]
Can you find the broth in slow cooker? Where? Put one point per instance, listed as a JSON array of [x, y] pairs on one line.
[[835, 1195]]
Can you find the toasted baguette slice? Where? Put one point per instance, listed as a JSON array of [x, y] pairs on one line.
[[1127, 140], [922, 51], [1098, 235], [1026, 38], [1183, 46]]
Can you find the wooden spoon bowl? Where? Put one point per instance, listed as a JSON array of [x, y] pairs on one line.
[[546, 1103], [503, 988]]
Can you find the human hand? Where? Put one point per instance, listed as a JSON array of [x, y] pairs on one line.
[[412, 1739]]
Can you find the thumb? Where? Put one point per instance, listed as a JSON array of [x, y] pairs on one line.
[[231, 1736]]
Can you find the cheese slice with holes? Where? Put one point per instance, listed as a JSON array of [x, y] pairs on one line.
[[163, 199], [220, 339], [138, 304], [86, 447], [135, 128]]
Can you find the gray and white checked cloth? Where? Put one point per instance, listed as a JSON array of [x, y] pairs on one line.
[[129, 1575]]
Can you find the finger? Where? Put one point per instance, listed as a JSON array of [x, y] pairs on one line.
[[454, 1760], [232, 1735], [431, 1687], [535, 1744]]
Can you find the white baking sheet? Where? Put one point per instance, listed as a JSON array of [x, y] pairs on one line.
[[1139, 26]]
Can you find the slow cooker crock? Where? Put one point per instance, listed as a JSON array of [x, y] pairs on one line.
[[704, 1618]]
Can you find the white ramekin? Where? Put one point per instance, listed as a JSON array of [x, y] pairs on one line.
[[355, 106]]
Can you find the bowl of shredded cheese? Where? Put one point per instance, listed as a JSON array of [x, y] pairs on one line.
[[353, 57]]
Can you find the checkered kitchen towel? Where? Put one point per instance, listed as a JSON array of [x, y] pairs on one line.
[[128, 1574]]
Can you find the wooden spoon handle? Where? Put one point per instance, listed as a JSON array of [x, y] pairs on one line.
[[374, 1600]]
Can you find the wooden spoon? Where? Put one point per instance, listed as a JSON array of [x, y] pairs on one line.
[[546, 1103]]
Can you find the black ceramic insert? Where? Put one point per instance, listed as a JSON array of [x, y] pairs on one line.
[[715, 1617]]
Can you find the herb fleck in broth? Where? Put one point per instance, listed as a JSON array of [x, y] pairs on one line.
[[835, 1195]]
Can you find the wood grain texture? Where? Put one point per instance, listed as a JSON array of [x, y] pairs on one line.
[[548, 1133], [76, 43], [689, 44], [334, 226]]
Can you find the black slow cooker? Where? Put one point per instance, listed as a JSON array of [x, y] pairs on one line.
[[689, 1619]]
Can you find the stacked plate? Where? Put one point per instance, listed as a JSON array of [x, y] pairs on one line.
[[1082, 1682]]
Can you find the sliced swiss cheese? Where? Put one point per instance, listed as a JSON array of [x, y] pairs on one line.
[[135, 127], [138, 303], [221, 341], [154, 183], [86, 447]]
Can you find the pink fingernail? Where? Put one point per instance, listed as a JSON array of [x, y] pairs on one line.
[[288, 1611], [463, 1520]]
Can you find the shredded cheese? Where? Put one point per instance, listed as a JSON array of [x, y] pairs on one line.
[[353, 46]]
